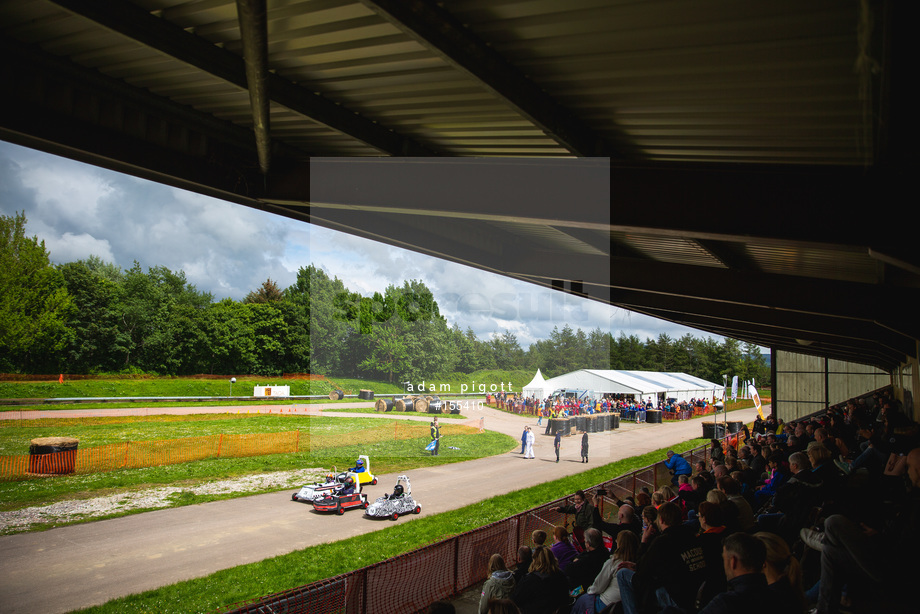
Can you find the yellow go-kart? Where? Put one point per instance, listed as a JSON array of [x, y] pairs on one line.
[[362, 471]]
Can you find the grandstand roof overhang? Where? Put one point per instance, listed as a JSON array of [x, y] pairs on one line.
[[756, 155]]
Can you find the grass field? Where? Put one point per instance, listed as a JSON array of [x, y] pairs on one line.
[[323, 445], [191, 387]]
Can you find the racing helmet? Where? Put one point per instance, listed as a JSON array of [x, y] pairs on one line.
[[398, 490], [349, 481], [330, 477], [359, 462]]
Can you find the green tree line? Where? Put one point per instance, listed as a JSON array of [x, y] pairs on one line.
[[92, 316]]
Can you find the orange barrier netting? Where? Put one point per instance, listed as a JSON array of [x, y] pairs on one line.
[[444, 568], [139, 454]]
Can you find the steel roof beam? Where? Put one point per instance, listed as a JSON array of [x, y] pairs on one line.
[[136, 23], [254, 36]]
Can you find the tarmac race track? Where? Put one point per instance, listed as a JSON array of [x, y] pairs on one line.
[[89, 564]]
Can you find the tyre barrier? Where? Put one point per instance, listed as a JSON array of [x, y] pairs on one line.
[[713, 430], [653, 416], [53, 455]]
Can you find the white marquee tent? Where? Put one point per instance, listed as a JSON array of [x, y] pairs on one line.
[[644, 385], [537, 387]]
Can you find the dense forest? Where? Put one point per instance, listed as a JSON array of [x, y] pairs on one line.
[[92, 316]]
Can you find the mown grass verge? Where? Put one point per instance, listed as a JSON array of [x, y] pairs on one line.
[[245, 582]]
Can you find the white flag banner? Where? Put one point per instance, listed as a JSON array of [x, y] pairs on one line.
[[735, 388]]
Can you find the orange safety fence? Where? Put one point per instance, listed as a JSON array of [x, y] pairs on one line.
[[140, 454], [155, 453]]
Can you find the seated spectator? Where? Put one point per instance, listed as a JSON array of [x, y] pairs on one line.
[[716, 453], [503, 606], [562, 548], [778, 474], [729, 511], [743, 558], [544, 589], [669, 570], [732, 489], [524, 559], [649, 524], [605, 591], [586, 565], [784, 575], [712, 524], [872, 556], [538, 538], [626, 521], [442, 607], [498, 585], [793, 502]]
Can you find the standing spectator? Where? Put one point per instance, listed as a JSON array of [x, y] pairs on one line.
[[435, 437], [584, 448], [584, 514], [529, 439], [523, 440], [557, 444]]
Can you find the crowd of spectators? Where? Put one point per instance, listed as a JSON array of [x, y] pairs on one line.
[[821, 515], [562, 406]]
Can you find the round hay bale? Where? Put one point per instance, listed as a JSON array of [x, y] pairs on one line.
[[367, 395], [381, 405], [421, 404], [337, 395]]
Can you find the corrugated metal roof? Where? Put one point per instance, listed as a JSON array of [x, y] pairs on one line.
[[733, 131]]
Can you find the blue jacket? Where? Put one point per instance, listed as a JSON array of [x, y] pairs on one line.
[[678, 465]]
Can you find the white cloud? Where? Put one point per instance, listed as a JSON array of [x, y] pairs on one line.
[[229, 250]]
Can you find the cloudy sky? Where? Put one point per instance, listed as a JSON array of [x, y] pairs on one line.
[[229, 250]]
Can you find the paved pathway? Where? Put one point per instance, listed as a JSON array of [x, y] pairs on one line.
[[82, 565]]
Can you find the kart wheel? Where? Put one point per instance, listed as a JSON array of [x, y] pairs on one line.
[[340, 511], [395, 516], [417, 510], [294, 497], [366, 505], [374, 482]]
